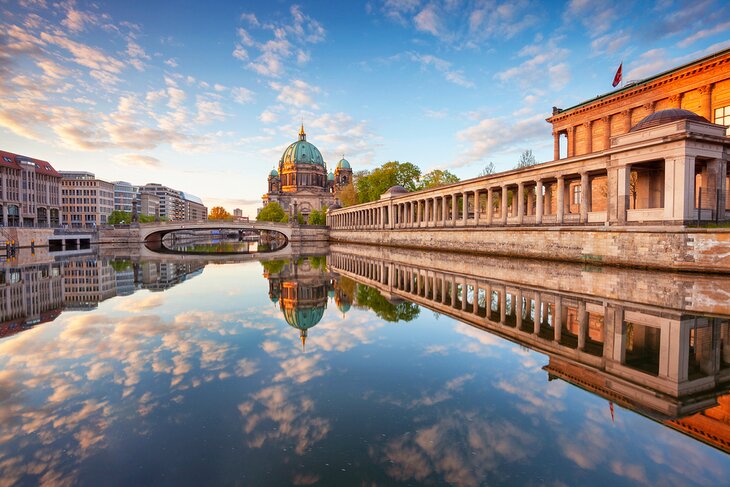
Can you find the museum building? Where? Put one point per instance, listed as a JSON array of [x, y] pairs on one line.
[[302, 183]]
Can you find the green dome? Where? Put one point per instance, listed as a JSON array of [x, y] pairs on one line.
[[343, 164], [330, 176], [302, 152], [273, 173], [304, 318]]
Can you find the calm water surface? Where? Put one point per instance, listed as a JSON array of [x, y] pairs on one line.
[[121, 371]]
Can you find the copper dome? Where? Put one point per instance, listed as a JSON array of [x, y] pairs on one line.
[[666, 116]]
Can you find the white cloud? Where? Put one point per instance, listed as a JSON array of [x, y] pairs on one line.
[[297, 93], [444, 67], [138, 160], [242, 95]]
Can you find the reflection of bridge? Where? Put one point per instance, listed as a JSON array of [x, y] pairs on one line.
[[658, 360], [149, 232]]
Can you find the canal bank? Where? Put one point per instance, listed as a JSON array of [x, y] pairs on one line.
[[651, 247]]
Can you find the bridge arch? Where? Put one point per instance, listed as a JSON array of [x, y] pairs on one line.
[[154, 232]]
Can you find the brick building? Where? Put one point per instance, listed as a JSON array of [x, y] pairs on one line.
[[87, 201]]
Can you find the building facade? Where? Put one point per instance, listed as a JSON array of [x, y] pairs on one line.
[[302, 183], [30, 192], [124, 196], [148, 204], [193, 207], [87, 201], [176, 205]]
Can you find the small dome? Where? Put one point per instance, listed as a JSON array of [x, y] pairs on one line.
[[343, 164], [394, 190], [666, 116], [330, 176], [274, 173]]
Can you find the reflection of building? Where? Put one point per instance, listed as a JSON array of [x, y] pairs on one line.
[[301, 290], [30, 192], [87, 282], [302, 179], [29, 295], [87, 201], [159, 276], [662, 361]]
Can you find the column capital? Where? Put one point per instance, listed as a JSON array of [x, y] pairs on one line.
[[649, 106], [627, 112], [675, 98], [704, 90], [570, 129], [606, 119], [588, 124]]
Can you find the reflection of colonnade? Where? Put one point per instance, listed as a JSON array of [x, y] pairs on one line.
[[656, 359]]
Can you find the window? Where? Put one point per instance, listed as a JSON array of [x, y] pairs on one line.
[[576, 195], [722, 117]]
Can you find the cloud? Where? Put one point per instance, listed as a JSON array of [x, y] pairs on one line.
[[138, 160], [596, 16], [297, 93], [242, 95], [493, 136], [442, 66], [427, 20], [701, 34], [542, 58]]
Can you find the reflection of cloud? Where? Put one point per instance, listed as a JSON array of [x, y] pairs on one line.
[[301, 368], [292, 416], [464, 449]]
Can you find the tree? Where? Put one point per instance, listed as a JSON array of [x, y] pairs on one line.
[[437, 178], [348, 195], [488, 169], [527, 159], [218, 213], [318, 217], [371, 185], [273, 212], [118, 217]]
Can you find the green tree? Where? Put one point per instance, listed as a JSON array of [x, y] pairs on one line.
[[488, 169], [273, 212], [527, 159], [370, 298], [318, 217], [118, 217], [371, 185], [437, 178], [348, 195]]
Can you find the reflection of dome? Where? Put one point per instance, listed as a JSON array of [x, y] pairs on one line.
[[273, 173], [343, 306], [343, 164], [331, 176], [303, 318], [302, 152], [665, 116]]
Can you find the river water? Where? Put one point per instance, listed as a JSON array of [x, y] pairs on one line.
[[359, 366]]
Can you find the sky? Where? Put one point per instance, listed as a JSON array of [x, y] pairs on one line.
[[205, 96]]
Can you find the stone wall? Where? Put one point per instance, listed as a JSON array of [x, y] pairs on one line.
[[669, 248]]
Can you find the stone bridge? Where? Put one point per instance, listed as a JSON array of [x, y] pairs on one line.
[[151, 232]]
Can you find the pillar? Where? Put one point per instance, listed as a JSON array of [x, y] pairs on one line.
[[584, 196], [675, 101], [571, 141], [582, 325], [490, 205], [476, 207], [623, 177], [706, 101], [556, 145], [538, 314], [503, 305], [520, 201], [518, 308], [558, 318], [443, 210], [539, 203], [465, 206], [561, 199], [503, 204], [454, 209], [627, 119], [589, 136], [606, 132]]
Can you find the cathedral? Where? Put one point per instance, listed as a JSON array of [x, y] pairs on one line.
[[302, 180]]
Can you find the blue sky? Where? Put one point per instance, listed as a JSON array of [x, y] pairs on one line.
[[205, 96]]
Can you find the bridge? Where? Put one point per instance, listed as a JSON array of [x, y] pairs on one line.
[[154, 232]]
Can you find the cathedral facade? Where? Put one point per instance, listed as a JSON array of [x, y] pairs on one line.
[[302, 182]]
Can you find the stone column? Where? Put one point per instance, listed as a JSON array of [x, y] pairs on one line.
[[454, 209], [539, 203], [561, 200], [589, 136], [443, 210], [556, 145], [465, 206], [627, 119], [584, 197], [571, 141], [706, 101], [624, 193], [503, 204], [518, 308], [464, 289], [503, 305], [476, 207], [606, 132], [530, 201], [715, 173], [490, 205], [520, 202], [582, 325], [558, 318]]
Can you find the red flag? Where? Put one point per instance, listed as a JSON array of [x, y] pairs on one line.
[[617, 78]]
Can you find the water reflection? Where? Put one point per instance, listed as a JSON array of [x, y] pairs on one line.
[[537, 376]]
